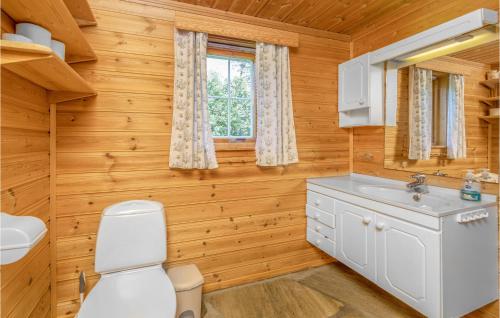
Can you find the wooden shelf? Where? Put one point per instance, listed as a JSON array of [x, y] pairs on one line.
[[40, 65], [491, 83], [55, 16], [490, 119], [491, 101], [80, 10]]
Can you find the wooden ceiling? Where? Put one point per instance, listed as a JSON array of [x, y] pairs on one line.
[[487, 53], [340, 16]]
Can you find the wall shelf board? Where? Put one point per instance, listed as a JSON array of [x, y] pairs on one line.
[[491, 101], [55, 16], [43, 67], [491, 83], [81, 11], [490, 119]]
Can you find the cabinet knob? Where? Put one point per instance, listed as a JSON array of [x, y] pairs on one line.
[[317, 202], [361, 102], [367, 220], [316, 216], [317, 228], [380, 226], [317, 242]]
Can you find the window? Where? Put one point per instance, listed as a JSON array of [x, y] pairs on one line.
[[230, 83]]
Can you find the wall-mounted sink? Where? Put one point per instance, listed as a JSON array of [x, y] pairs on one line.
[[437, 201], [428, 201], [18, 235]]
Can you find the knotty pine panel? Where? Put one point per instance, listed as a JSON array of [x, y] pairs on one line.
[[68, 269], [495, 151], [334, 16], [25, 191], [115, 147]]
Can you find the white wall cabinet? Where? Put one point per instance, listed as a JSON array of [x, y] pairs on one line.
[[353, 81], [441, 268], [361, 92]]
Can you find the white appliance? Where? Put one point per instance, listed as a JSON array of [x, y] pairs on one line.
[[131, 246], [438, 254]]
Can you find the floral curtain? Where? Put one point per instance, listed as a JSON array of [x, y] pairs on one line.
[[191, 146], [456, 140], [420, 113], [275, 142]]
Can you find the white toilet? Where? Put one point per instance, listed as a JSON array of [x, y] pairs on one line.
[[131, 246]]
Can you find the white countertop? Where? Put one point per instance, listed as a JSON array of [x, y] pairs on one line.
[[450, 198]]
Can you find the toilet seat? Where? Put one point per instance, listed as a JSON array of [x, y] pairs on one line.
[[138, 293]]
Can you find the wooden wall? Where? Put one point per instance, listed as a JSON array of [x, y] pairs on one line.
[[397, 139], [368, 142], [25, 191], [495, 151], [239, 223]]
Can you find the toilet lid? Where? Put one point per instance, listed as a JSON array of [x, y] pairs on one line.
[[139, 293]]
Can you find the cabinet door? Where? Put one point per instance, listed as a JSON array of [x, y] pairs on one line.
[[408, 263], [353, 83], [356, 238]]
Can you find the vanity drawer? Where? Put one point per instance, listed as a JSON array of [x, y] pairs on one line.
[[320, 201], [321, 228], [321, 216], [321, 242]]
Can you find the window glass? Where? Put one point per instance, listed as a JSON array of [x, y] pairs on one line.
[[230, 96]]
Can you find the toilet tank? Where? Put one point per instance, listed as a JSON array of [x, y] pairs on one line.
[[132, 234]]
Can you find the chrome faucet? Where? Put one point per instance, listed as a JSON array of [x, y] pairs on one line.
[[439, 173], [418, 186]]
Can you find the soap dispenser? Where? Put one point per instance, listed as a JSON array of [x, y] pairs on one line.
[[471, 190]]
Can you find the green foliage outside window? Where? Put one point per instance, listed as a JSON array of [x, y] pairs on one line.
[[231, 95]]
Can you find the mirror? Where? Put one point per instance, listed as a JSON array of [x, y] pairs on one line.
[[448, 115]]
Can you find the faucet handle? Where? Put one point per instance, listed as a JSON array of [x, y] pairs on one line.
[[439, 173], [419, 177]]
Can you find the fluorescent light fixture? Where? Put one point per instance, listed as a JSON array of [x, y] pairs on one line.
[[452, 36], [457, 44]]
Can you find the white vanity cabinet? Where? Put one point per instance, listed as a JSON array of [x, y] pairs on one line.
[[401, 257], [441, 265], [321, 222], [356, 238], [408, 263], [360, 92]]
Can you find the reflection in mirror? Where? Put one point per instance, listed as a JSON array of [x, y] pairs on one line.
[[439, 109], [447, 116]]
